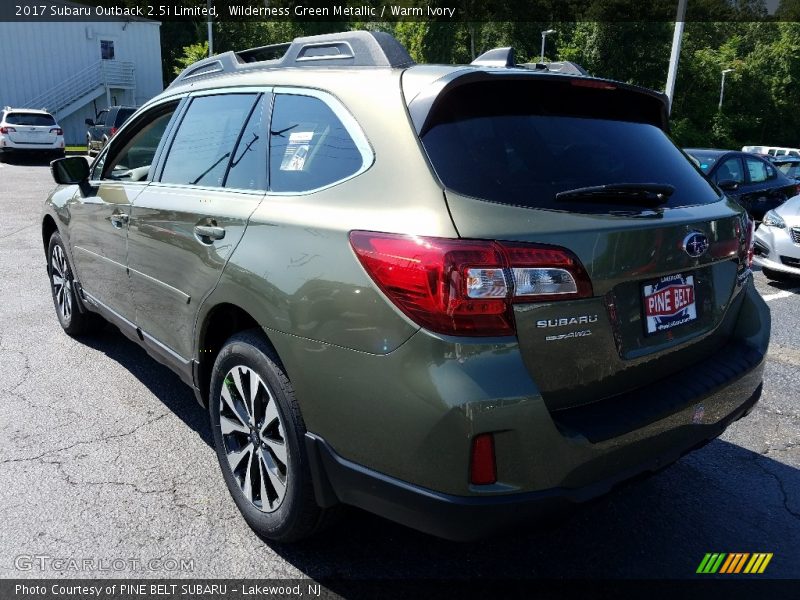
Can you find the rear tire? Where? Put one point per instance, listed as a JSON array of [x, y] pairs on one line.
[[259, 438], [62, 287], [775, 275]]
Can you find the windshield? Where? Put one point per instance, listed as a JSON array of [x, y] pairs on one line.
[[515, 142], [30, 119]]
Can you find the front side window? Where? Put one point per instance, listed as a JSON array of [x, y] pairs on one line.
[[101, 117], [206, 137], [309, 145], [134, 161]]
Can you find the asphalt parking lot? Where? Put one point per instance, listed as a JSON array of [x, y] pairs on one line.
[[104, 454]]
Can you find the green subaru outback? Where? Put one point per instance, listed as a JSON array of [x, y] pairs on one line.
[[460, 297]]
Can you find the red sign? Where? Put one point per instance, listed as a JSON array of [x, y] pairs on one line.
[[669, 301]]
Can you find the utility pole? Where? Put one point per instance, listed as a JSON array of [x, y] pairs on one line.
[[210, 30], [677, 38], [544, 36]]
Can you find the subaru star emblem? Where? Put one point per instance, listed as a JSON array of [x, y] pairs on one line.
[[695, 244]]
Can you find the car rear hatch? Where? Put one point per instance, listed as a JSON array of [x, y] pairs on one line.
[[31, 128], [583, 165]]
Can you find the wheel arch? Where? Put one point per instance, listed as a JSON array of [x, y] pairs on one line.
[[217, 324], [49, 227]]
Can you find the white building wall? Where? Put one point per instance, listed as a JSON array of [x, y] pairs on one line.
[[36, 56]]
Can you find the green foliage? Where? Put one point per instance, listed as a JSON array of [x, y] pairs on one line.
[[759, 106], [191, 54]]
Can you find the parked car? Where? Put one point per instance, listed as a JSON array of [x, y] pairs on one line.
[[777, 242], [460, 297], [788, 165], [772, 150], [751, 180], [105, 125], [25, 131]]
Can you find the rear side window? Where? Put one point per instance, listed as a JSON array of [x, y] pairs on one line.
[[521, 142], [309, 145], [757, 170], [29, 119], [205, 139]]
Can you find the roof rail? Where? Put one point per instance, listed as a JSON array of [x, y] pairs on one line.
[[504, 58], [347, 49]]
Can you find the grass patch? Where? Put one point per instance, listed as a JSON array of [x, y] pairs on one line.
[[75, 148]]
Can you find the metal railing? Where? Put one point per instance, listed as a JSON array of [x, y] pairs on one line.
[[110, 73]]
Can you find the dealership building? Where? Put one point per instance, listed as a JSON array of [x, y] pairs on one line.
[[73, 69]]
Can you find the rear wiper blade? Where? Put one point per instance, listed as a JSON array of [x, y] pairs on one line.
[[649, 193]]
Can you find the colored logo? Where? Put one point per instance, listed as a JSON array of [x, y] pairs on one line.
[[695, 244], [669, 303], [735, 562]]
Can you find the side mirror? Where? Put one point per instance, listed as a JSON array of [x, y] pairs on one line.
[[70, 170], [728, 185], [89, 122]]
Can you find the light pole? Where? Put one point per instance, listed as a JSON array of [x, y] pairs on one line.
[[544, 36], [722, 86]]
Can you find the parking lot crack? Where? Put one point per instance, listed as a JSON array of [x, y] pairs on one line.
[[103, 438], [781, 487]]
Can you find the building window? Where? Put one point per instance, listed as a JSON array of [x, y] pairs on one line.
[[107, 49]]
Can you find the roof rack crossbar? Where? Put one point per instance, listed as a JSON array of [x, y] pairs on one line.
[[347, 49]]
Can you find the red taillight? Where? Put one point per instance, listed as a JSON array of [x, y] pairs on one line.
[[467, 287], [113, 130], [7, 130], [57, 131], [482, 465]]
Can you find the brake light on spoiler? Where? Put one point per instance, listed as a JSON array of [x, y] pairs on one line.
[[467, 287]]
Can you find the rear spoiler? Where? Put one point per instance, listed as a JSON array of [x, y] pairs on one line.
[[422, 107]]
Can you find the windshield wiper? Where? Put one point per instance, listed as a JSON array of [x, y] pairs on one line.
[[646, 193]]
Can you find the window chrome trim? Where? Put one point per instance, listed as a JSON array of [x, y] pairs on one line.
[[348, 121]]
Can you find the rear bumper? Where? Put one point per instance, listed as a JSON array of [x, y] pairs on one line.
[[465, 518], [405, 457]]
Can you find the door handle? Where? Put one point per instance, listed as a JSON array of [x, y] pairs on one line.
[[118, 220], [207, 233]]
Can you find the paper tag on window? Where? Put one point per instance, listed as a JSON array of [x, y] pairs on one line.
[[294, 158]]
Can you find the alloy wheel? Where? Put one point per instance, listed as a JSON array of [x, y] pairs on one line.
[[254, 439], [62, 282]]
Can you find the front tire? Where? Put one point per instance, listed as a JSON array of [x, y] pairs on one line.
[[62, 287], [258, 434]]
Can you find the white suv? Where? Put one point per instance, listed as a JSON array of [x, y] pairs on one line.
[[25, 130]]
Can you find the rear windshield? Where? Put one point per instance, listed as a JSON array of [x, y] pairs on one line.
[[705, 161], [520, 142], [123, 115], [791, 169], [32, 119]]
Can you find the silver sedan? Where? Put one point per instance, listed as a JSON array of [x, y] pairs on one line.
[[777, 241]]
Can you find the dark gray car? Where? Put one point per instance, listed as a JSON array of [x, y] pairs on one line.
[[105, 125]]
